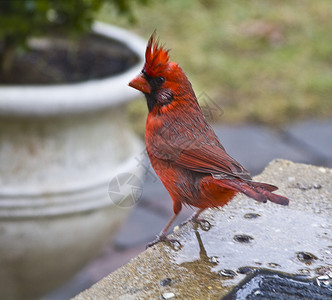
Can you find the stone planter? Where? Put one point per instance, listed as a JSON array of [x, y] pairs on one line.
[[60, 146]]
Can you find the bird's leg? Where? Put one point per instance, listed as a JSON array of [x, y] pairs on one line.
[[205, 224], [161, 237]]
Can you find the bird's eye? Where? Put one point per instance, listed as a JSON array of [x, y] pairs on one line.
[[160, 80]]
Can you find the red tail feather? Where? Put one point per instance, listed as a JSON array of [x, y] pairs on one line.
[[256, 190], [273, 197]]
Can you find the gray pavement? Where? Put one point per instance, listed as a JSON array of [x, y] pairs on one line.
[[252, 145]]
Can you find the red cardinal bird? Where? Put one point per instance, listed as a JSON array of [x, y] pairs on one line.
[[183, 148]]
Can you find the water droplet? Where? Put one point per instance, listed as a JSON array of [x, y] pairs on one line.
[[227, 273], [274, 265], [304, 271], [165, 282], [168, 295], [324, 271], [326, 283], [303, 187], [245, 270], [251, 216], [243, 238], [214, 260], [306, 257]]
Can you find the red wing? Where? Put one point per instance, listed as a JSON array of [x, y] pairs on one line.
[[199, 156], [211, 159]]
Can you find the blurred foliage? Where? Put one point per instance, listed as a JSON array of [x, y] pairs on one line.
[[262, 61], [20, 19]]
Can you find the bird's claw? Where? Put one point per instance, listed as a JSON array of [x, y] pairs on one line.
[[163, 238], [203, 224]]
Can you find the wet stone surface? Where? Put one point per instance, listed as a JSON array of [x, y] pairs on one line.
[[245, 237]]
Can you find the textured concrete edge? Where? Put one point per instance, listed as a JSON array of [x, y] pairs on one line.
[[141, 278]]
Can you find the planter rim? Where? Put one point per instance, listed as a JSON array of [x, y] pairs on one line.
[[74, 200], [47, 100]]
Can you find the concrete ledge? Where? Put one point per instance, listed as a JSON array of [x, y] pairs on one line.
[[245, 235]]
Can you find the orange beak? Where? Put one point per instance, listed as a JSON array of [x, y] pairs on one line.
[[141, 84]]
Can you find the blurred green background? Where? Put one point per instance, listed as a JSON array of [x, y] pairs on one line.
[[262, 61]]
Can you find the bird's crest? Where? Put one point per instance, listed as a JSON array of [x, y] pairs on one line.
[[156, 57]]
